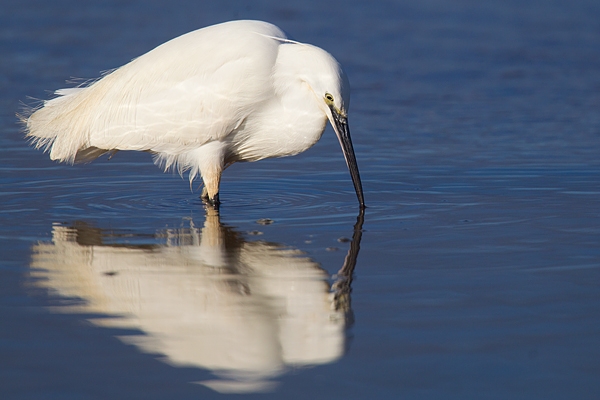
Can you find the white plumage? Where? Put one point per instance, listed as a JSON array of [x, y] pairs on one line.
[[237, 91]]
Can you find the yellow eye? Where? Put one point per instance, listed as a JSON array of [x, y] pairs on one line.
[[329, 97]]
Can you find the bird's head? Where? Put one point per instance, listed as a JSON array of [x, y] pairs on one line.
[[330, 85], [317, 71]]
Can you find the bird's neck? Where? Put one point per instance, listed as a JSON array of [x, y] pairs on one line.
[[281, 129]]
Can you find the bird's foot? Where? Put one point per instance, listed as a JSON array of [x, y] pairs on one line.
[[214, 202]]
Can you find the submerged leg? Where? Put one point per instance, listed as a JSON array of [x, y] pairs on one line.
[[211, 201], [210, 192], [211, 162]]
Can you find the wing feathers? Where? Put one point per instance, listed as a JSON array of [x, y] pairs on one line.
[[187, 92]]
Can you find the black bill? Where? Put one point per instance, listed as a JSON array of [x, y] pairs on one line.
[[340, 126]]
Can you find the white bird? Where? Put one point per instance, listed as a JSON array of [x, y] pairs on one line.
[[236, 91]]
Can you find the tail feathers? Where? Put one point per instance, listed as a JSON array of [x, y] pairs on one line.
[[54, 127]]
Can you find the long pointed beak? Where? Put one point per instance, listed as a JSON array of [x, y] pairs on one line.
[[340, 126]]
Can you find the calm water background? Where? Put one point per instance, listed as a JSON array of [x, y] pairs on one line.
[[477, 131]]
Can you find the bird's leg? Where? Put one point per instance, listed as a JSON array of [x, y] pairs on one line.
[[213, 202], [211, 162], [204, 195], [210, 192]]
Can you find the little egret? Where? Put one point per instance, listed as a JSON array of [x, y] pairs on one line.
[[236, 91]]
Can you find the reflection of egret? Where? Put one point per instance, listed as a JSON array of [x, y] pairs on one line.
[[206, 298]]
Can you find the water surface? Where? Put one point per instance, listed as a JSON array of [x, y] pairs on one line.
[[474, 275]]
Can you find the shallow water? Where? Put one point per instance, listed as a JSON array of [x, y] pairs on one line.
[[475, 274]]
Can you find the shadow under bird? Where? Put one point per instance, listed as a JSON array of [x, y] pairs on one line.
[[236, 91]]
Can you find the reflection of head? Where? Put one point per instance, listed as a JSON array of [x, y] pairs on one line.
[[206, 298]]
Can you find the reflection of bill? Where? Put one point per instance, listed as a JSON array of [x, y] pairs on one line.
[[207, 298]]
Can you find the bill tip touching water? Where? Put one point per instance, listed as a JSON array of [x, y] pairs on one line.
[[232, 92]]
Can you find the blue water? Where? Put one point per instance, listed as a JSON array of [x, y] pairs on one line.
[[475, 274]]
